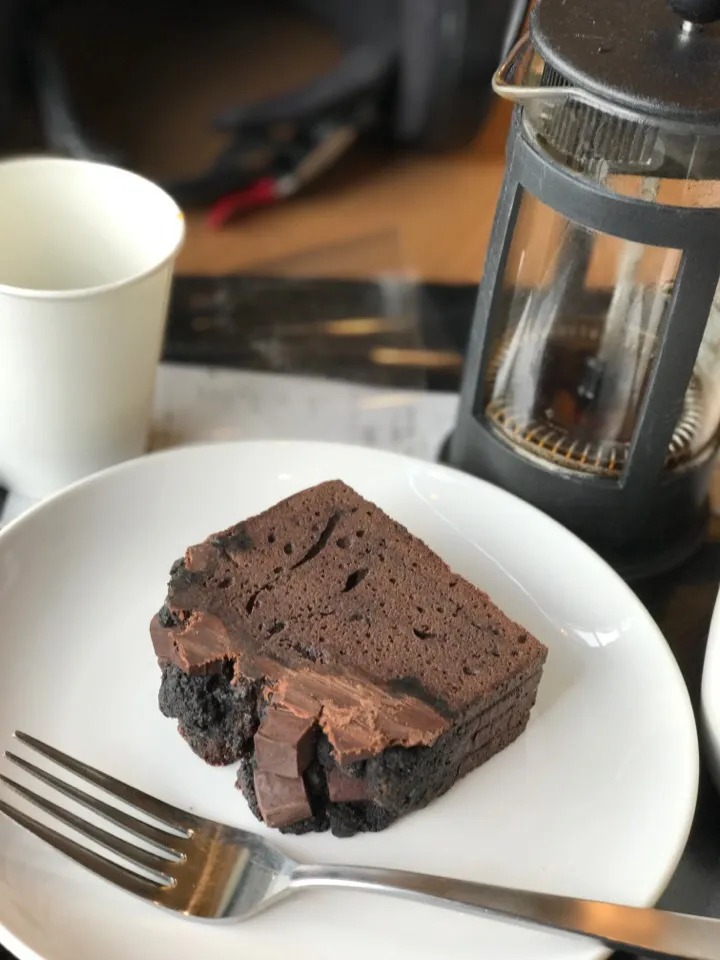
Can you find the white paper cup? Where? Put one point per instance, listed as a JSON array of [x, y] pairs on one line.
[[86, 258]]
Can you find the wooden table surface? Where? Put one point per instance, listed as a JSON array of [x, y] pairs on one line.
[[429, 215]]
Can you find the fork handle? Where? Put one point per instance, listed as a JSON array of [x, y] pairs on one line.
[[654, 933]]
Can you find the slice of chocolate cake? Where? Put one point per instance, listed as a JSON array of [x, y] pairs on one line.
[[349, 670]]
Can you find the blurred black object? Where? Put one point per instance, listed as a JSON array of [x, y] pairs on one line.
[[323, 327], [417, 70], [11, 33]]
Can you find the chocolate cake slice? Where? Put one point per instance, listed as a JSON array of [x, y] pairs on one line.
[[351, 673]]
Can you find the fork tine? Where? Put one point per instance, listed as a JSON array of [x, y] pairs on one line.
[[132, 882], [163, 812], [135, 855], [146, 831]]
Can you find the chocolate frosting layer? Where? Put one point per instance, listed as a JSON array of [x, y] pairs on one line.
[[198, 644], [359, 717]]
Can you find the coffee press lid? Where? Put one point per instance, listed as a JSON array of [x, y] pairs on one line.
[[658, 58]]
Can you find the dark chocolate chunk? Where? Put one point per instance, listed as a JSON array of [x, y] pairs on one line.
[[343, 788], [284, 743], [282, 800]]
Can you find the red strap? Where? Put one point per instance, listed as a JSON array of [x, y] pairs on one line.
[[261, 194]]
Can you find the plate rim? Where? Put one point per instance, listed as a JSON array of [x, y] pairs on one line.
[[23, 952]]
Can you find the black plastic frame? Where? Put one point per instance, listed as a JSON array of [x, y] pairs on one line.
[[648, 517]]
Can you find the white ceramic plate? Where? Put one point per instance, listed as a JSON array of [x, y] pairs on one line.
[[594, 800], [710, 697]]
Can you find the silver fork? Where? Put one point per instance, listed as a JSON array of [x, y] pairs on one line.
[[202, 869]]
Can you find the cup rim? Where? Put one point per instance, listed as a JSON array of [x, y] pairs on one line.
[[80, 293]]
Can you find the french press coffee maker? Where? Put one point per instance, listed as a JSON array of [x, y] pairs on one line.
[[591, 387]]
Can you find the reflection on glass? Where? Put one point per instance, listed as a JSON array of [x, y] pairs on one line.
[[581, 324]]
